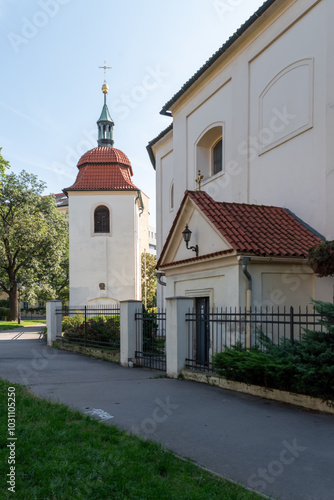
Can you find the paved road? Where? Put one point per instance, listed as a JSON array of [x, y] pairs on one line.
[[275, 449], [23, 333]]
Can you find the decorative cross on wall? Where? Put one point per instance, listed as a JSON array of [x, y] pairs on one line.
[[199, 180]]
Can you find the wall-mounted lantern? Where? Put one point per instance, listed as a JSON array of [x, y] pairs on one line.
[[187, 236]]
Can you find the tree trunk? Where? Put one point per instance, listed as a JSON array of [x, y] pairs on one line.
[[13, 304]]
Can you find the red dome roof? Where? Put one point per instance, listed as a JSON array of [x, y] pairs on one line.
[[105, 154], [103, 168]]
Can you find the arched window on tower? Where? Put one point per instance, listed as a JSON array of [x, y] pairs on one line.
[[102, 219]]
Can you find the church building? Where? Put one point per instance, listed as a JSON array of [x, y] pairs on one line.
[[245, 171], [108, 223]]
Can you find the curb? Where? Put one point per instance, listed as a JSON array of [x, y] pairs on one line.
[[308, 402], [90, 351]]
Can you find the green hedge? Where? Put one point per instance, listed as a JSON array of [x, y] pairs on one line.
[[100, 329], [4, 312], [305, 367]]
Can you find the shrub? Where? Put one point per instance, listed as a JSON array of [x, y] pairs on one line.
[[152, 343], [71, 322], [317, 354], [269, 368], [4, 312], [305, 367], [98, 329], [321, 258]]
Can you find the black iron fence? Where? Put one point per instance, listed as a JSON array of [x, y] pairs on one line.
[[211, 332], [151, 339], [91, 326]]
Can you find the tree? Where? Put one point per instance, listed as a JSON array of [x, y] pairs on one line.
[[148, 280], [321, 258], [33, 239], [3, 165]]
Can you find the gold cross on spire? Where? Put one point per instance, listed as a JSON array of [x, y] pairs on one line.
[[105, 67], [199, 180]]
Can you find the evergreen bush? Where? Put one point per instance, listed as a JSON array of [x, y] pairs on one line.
[[305, 367]]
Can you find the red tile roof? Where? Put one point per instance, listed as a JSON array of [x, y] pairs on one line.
[[105, 154], [196, 259], [103, 168], [253, 229]]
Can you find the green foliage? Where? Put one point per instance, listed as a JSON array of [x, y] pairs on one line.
[[71, 322], [4, 308], [99, 329], [305, 367], [148, 264], [321, 258], [4, 164], [317, 354], [33, 241], [152, 342], [273, 367], [4, 312]]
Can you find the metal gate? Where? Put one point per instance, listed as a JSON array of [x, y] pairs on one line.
[[151, 339]]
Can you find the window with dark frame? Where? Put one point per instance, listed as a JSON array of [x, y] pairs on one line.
[[172, 196], [218, 157], [101, 219]]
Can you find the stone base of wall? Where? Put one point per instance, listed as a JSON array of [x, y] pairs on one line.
[[113, 356], [262, 392]]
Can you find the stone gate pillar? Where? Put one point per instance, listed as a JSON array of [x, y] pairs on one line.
[[176, 333], [53, 321], [128, 329]]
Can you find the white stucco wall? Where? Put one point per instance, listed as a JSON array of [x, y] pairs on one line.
[[112, 259], [220, 285], [274, 284], [273, 94]]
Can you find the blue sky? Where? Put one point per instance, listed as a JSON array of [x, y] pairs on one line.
[[50, 86]]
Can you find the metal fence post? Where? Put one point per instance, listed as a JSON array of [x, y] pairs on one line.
[[292, 339], [85, 326]]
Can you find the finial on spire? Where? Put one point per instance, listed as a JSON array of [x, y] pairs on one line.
[[105, 87], [105, 123], [105, 67]]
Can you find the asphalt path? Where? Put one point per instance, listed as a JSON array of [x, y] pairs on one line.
[[275, 449]]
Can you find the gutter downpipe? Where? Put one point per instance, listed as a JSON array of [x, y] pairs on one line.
[[139, 197], [245, 261], [159, 275]]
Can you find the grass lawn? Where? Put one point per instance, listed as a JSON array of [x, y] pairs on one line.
[[9, 325], [63, 454]]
